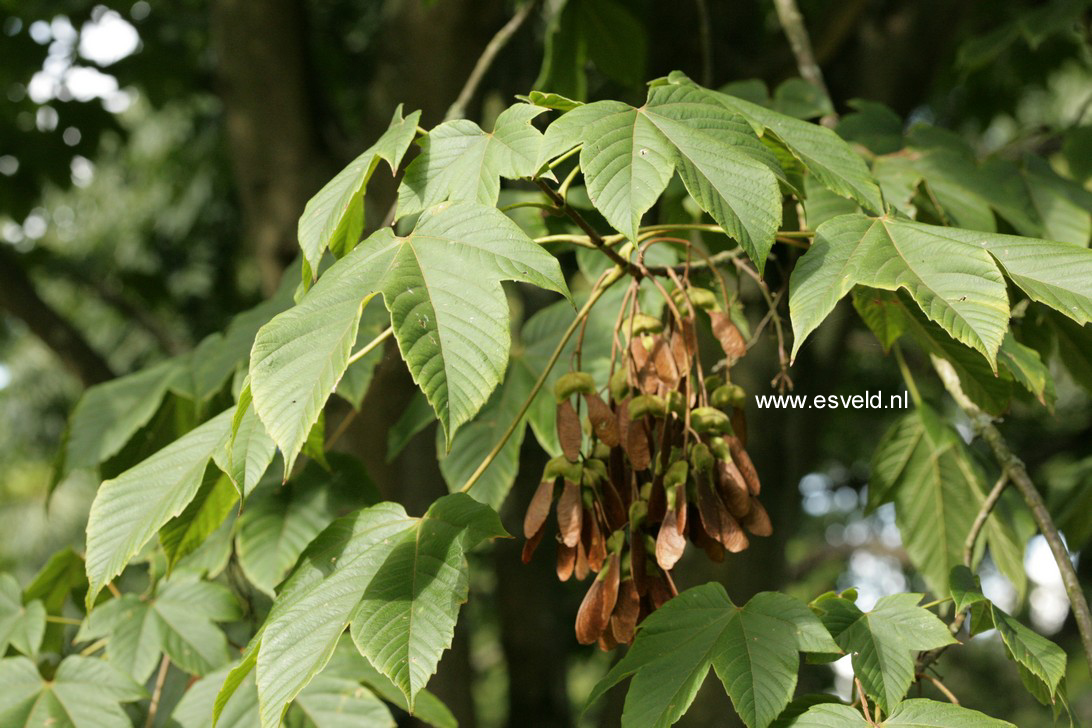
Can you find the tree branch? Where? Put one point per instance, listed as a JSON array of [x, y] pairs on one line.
[[593, 234], [792, 22], [1012, 466], [457, 110], [19, 298]]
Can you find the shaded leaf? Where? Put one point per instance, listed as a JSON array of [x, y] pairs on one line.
[[129, 509], [924, 467], [21, 626]]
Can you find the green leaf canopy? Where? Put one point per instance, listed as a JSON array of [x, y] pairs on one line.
[[954, 275]]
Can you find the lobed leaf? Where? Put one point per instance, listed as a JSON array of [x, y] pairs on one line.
[[882, 641], [954, 281]]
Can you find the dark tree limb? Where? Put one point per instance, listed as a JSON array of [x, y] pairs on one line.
[[1017, 473], [20, 299]]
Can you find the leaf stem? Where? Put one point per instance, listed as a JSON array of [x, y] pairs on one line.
[[557, 162], [370, 346], [600, 288], [935, 603], [983, 516], [593, 235], [157, 692], [94, 647], [939, 686], [581, 240], [983, 425], [526, 203], [63, 620], [907, 376], [864, 700]]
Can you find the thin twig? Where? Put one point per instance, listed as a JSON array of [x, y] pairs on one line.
[[94, 647], [604, 283], [63, 620], [782, 379], [983, 425], [157, 692], [593, 235], [939, 686], [792, 22], [457, 110], [864, 700], [982, 517]]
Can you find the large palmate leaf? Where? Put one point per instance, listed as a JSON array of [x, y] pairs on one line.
[[21, 626], [299, 356], [954, 280], [823, 153], [315, 605], [406, 618], [626, 162], [914, 713], [753, 650], [129, 509], [336, 698], [476, 439], [84, 693], [924, 467], [442, 284], [1056, 274], [447, 306], [459, 161], [363, 556], [725, 168], [334, 217], [179, 620], [629, 155], [882, 641]]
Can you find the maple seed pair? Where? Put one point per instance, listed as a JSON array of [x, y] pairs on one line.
[[660, 463]]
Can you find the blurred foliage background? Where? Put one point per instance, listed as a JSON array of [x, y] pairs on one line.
[[154, 159]]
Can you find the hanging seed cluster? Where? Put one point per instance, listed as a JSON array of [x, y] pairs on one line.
[[661, 462]]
